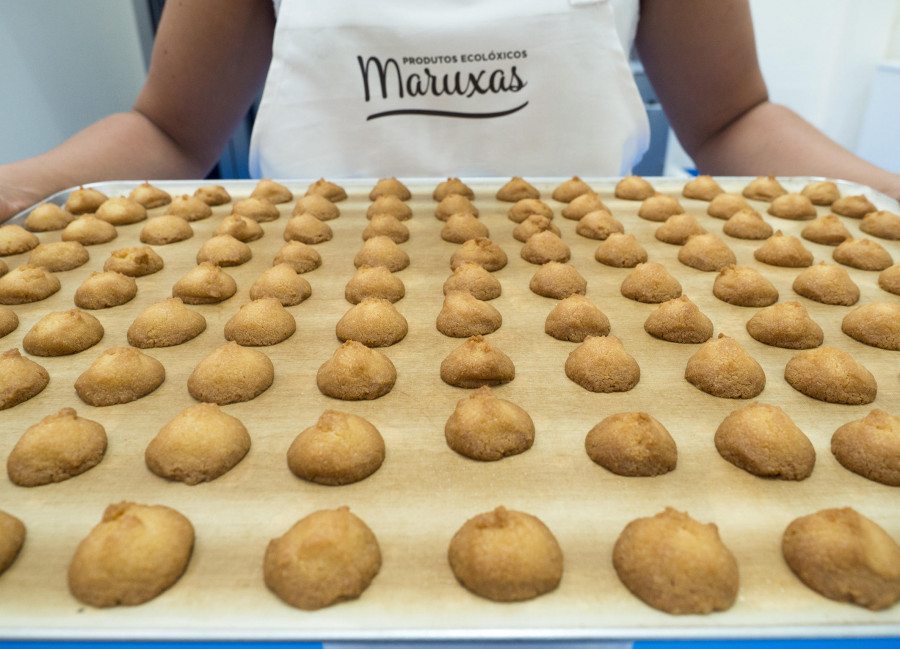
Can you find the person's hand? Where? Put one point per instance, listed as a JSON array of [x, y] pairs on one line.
[[15, 199]]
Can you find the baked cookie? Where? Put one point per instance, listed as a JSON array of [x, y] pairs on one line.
[[283, 283], [166, 229], [787, 325], [575, 318], [472, 278], [356, 372], [601, 364], [338, 449], [620, 250], [881, 224], [120, 210], [484, 427], [84, 200], [329, 557], [231, 374], [598, 225], [198, 445], [272, 191], [516, 189], [570, 189], [307, 228], [135, 261], [659, 207], [384, 187], [763, 440], [105, 290], [870, 447], [213, 195], [706, 252], [119, 375], [651, 283], [20, 378], [724, 206], [147, 195], [888, 280], [828, 284], [9, 321], [381, 251], [856, 207], [783, 250], [864, 254], [632, 444], [506, 556], [482, 251], [47, 217], [747, 224], [258, 209], [61, 333], [224, 250], [12, 537], [723, 368], [581, 205], [463, 315], [823, 192], [189, 208], [27, 283], [452, 186], [460, 228], [134, 554], [59, 256], [524, 208], [386, 225], [240, 227], [763, 188], [260, 323], [374, 322], [831, 375], [454, 204], [795, 207], [165, 324], [88, 230], [679, 321], [634, 188], [57, 448], [841, 554], [744, 286], [205, 284], [534, 224], [394, 206], [827, 230], [376, 282], [677, 228], [676, 564], [558, 281], [704, 188], [476, 363], [299, 256], [544, 247], [876, 324]]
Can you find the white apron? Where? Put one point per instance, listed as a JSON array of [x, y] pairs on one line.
[[431, 88]]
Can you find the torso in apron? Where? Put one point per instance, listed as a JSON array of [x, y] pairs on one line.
[[422, 88]]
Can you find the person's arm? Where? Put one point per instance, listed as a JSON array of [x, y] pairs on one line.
[[700, 56], [209, 61]]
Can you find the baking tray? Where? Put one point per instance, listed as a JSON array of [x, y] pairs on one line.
[[424, 491]]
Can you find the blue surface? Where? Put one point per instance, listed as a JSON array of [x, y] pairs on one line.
[[844, 643]]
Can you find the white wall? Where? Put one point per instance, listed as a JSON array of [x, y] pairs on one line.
[[63, 65]]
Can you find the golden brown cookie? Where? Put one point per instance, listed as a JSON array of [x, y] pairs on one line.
[[864, 254], [88, 230], [166, 229], [881, 224], [506, 556], [516, 189], [134, 554], [795, 207], [827, 230], [189, 208], [452, 186], [386, 187], [484, 427], [454, 204], [888, 280], [620, 250], [135, 261], [704, 188], [598, 225], [27, 283], [381, 251], [783, 250], [533, 224], [104, 290], [763, 188], [575, 318], [57, 448], [831, 375], [307, 228], [856, 207], [679, 321], [632, 444], [460, 228], [61, 333], [463, 315], [205, 284], [676, 564], [876, 324], [482, 251], [260, 323], [828, 284], [329, 557], [231, 374], [272, 191], [706, 252], [165, 324], [677, 228], [47, 217], [476, 363], [119, 375], [198, 445], [393, 206], [724, 206], [20, 378], [601, 364], [386, 225], [9, 321], [569, 190], [634, 188], [213, 195], [659, 207], [823, 192], [558, 281], [120, 210], [581, 205], [258, 209], [747, 224], [650, 283], [148, 195], [744, 286], [870, 447], [84, 200], [374, 321], [283, 283], [787, 325], [240, 227], [472, 278], [545, 247], [356, 372], [723, 368], [524, 208], [763, 440], [12, 537], [299, 256], [59, 256], [224, 250], [841, 554], [338, 449], [374, 281]]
